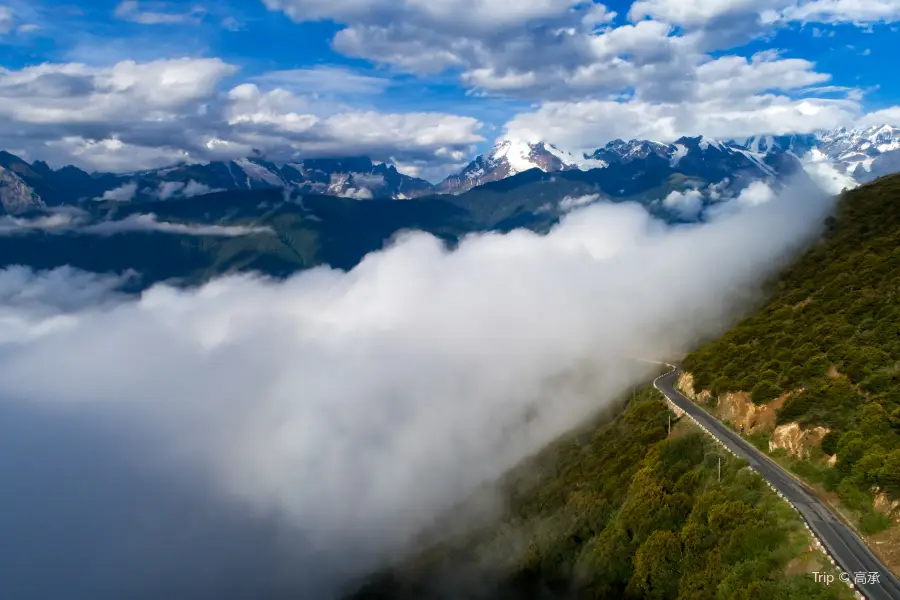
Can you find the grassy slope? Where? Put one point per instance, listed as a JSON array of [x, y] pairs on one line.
[[832, 329], [630, 512]]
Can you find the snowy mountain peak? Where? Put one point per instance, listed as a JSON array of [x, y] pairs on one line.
[[621, 151], [509, 157], [864, 153], [798, 144]]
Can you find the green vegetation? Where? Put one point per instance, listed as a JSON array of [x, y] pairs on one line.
[[629, 512], [831, 329]]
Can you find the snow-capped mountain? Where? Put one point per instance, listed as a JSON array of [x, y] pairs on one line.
[[857, 155], [510, 157], [797, 144], [24, 185], [620, 151], [865, 153], [702, 157]]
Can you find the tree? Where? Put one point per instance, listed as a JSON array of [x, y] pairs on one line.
[[657, 566]]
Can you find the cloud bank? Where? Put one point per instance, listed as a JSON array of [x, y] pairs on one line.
[[253, 438], [76, 221]]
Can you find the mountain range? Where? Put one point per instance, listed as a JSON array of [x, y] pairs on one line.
[[189, 223], [855, 156]]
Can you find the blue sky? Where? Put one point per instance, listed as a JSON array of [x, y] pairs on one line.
[[428, 83]]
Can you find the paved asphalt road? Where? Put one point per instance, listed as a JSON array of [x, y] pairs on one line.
[[850, 553]]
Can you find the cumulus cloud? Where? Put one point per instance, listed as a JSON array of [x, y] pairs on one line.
[[254, 438], [133, 116], [755, 194], [77, 93], [123, 193], [686, 204], [358, 193], [459, 14], [758, 192], [280, 121]]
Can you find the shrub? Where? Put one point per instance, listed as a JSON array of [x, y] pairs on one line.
[[830, 442], [763, 392]]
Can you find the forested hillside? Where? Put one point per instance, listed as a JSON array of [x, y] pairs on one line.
[[630, 512], [831, 338]]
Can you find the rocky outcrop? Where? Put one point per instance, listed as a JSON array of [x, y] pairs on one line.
[[796, 441], [735, 407], [738, 409], [15, 195], [885, 505], [686, 385]]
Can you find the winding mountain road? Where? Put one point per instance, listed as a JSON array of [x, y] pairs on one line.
[[841, 542]]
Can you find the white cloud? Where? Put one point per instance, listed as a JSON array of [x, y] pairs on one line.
[[311, 427], [694, 13], [7, 20], [358, 193], [758, 192], [588, 124], [598, 14], [77, 221], [149, 222], [195, 188], [890, 115], [739, 77], [133, 116], [569, 203], [77, 93], [824, 172], [701, 13], [168, 189], [280, 120], [153, 13], [843, 11], [123, 193], [686, 204], [54, 222], [110, 154], [455, 14]]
